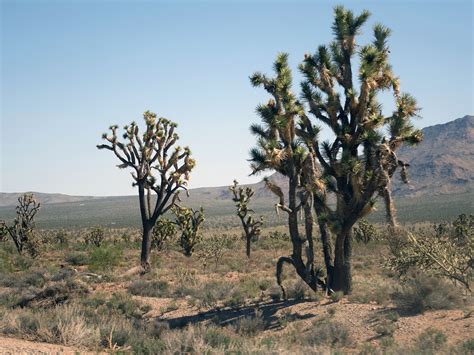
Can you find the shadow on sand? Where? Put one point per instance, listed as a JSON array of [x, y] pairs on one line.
[[226, 316]]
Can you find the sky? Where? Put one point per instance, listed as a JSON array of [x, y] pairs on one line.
[[70, 69]]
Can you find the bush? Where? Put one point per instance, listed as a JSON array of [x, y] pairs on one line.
[[102, 259], [149, 288], [250, 325], [445, 251], [430, 341], [421, 293], [327, 332], [76, 258]]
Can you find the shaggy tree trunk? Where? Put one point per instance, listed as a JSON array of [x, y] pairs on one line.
[[248, 245], [146, 247], [341, 276]]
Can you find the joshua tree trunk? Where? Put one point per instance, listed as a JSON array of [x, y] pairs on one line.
[[146, 247], [248, 240], [341, 278]]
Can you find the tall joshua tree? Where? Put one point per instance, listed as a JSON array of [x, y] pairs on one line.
[[359, 164], [158, 166]]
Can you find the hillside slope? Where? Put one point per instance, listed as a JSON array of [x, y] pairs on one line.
[[443, 163]]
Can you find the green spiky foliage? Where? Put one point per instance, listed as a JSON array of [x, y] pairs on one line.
[[359, 164], [280, 149], [445, 251], [163, 230], [159, 167], [251, 226], [22, 231], [189, 223], [96, 237]]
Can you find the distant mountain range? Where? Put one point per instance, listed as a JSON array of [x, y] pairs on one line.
[[441, 177]]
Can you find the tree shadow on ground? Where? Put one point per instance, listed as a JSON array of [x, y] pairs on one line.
[[227, 316]]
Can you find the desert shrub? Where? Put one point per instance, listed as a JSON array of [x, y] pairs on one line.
[[163, 230], [209, 294], [123, 304], [327, 332], [64, 325], [385, 328], [95, 237], [76, 258], [296, 290], [421, 293], [149, 288], [250, 325], [212, 249], [35, 278], [217, 338], [337, 296], [102, 259], [445, 251], [52, 294], [431, 341], [365, 232]]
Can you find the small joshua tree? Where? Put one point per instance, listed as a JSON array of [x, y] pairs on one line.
[[251, 227], [22, 232], [95, 236], [163, 230], [189, 223], [152, 152]]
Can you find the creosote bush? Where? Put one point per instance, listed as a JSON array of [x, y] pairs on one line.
[[420, 293]]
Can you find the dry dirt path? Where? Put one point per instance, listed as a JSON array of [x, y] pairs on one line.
[[12, 346]]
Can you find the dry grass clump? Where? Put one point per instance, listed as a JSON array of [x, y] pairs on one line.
[[422, 293], [64, 324]]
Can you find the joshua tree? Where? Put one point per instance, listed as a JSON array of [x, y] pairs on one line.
[[163, 230], [153, 152], [22, 230], [359, 164], [251, 227], [189, 222]]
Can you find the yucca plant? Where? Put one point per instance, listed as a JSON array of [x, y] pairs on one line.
[[355, 167], [159, 167], [22, 231], [251, 226]]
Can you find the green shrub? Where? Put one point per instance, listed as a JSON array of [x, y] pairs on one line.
[[102, 259], [327, 332], [431, 341], [421, 293], [76, 258], [149, 288], [250, 325]]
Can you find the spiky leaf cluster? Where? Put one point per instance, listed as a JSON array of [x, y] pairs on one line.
[[163, 230], [157, 163], [189, 223], [242, 197]]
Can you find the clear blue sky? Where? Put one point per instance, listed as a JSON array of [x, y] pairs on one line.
[[72, 68]]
